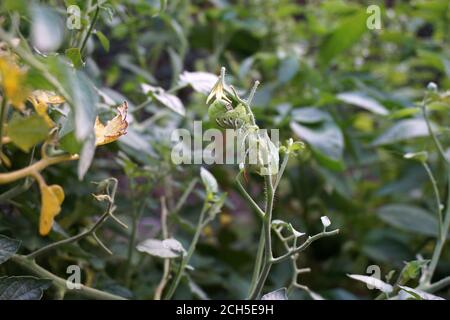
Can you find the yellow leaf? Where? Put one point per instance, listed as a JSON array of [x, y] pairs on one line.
[[41, 99], [47, 97], [51, 200], [114, 129], [12, 78]]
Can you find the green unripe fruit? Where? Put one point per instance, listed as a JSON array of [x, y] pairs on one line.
[[233, 119], [217, 109]]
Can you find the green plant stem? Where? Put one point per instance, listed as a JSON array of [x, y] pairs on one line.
[[281, 171], [247, 196], [132, 243], [90, 231], [438, 285], [305, 245], [433, 134], [185, 260], [84, 291], [436, 195], [91, 27], [268, 256], [442, 237], [165, 234], [258, 263]]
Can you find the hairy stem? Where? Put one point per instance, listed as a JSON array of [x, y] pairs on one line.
[[268, 256]]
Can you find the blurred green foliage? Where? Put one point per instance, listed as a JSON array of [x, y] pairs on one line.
[[352, 94]]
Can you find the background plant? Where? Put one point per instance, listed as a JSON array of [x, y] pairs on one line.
[[354, 98]]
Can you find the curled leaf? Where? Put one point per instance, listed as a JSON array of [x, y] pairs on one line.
[[12, 79], [114, 129], [41, 99], [51, 200]]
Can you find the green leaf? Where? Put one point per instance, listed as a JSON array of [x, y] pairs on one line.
[[104, 41], [409, 218], [403, 130], [74, 55], [8, 247], [86, 157], [202, 82], [82, 94], [47, 29], [70, 143], [412, 269], [166, 99], [280, 294], [169, 248], [361, 100], [320, 131], [26, 132], [209, 181], [347, 33], [374, 282], [22, 288], [288, 69]]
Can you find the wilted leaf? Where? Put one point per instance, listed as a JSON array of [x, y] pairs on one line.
[[40, 99], [51, 200], [114, 128], [12, 79], [8, 247], [22, 288]]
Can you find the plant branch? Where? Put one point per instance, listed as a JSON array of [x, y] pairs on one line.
[[34, 168], [185, 260], [86, 37], [3, 115], [165, 234], [305, 245], [436, 195], [90, 231], [248, 197], [84, 291], [268, 255], [432, 133]]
